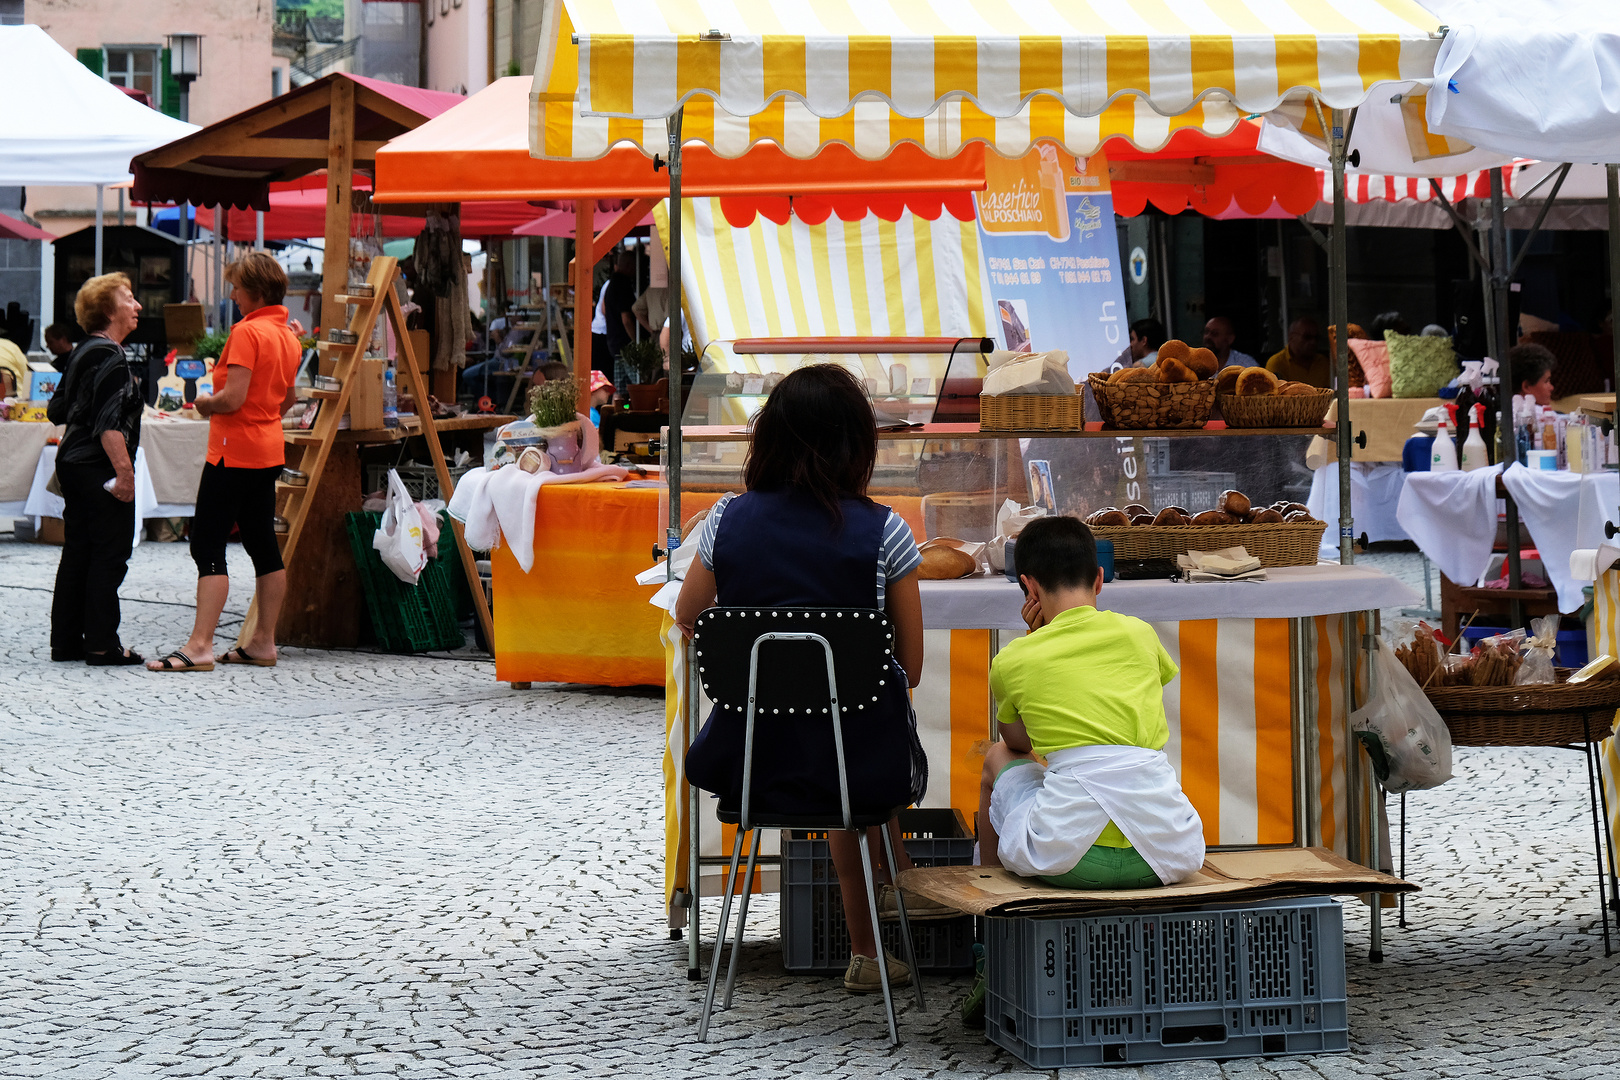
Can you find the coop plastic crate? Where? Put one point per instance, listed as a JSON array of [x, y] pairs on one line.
[[1229, 982], [408, 618], [422, 481], [815, 937]]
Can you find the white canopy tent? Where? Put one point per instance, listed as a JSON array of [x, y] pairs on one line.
[[63, 124]]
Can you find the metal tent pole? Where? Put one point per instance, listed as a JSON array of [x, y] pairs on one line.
[[1614, 257], [101, 200], [1497, 320], [185, 252], [258, 230], [1338, 301], [672, 444]]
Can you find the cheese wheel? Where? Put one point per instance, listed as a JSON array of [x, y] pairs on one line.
[[1256, 381]]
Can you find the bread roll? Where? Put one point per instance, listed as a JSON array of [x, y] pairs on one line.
[[1298, 389], [1175, 350], [1136, 508], [941, 563], [1133, 374], [1182, 510], [1169, 516], [1297, 516], [1204, 362], [1294, 507], [1226, 378], [1255, 382], [1212, 517], [1171, 370], [1109, 516], [1233, 502], [1142, 519], [1268, 516]]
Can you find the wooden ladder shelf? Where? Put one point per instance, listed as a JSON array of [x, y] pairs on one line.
[[312, 448]]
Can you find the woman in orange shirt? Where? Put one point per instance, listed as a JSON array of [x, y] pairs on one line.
[[253, 387]]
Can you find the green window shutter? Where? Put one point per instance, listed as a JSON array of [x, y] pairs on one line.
[[169, 92], [90, 58]]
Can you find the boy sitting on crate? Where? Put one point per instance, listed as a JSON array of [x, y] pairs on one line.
[[1084, 690]]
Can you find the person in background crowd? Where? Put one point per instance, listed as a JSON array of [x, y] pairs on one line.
[[617, 304], [59, 340], [1219, 333], [601, 396], [1434, 330], [601, 355], [1389, 320], [1146, 337], [253, 388], [100, 402], [1302, 360], [1532, 369]]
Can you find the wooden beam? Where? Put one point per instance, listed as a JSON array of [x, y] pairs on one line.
[[260, 147], [372, 101], [272, 116], [620, 226], [339, 190], [584, 296], [1161, 172]]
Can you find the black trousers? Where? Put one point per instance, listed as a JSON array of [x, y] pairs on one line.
[[245, 498], [98, 535]]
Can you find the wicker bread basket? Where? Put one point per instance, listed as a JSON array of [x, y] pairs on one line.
[[1032, 412], [1276, 410], [1136, 405], [1282, 544], [1549, 714]]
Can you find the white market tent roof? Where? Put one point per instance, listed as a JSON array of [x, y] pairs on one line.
[[61, 123], [1536, 78]]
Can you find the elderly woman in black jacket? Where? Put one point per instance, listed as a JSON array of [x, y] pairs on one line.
[[100, 402]]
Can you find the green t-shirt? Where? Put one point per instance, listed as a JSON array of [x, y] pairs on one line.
[[1087, 678]]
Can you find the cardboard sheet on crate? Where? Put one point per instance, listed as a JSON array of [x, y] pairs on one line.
[[1228, 877]]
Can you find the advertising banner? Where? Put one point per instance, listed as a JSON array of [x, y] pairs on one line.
[[1046, 227]]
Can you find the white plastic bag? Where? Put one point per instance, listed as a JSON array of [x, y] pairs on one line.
[[1010, 521], [399, 538], [1408, 743]]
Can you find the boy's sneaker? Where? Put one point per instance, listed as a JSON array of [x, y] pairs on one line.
[[863, 977], [973, 1004], [918, 907]]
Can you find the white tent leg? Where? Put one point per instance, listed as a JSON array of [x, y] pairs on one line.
[[258, 230], [101, 201]]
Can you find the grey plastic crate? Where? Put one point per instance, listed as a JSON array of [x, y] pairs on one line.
[[815, 937], [1229, 982]]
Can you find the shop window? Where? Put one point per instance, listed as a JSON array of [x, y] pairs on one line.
[[135, 67]]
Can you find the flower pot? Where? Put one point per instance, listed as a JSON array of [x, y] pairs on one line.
[[644, 397], [562, 445]]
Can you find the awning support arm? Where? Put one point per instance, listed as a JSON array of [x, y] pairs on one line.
[[1316, 234], [1524, 248], [1462, 227]]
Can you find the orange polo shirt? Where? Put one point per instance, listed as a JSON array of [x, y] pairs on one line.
[[250, 437]]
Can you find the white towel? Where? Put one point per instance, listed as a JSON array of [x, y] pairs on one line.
[[1451, 516], [1545, 501], [1588, 563], [498, 507]]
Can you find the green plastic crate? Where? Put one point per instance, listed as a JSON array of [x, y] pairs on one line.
[[408, 618]]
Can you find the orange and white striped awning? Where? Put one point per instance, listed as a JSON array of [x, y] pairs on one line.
[[801, 72]]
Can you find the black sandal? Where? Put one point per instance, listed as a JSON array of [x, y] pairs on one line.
[[121, 658], [169, 663]]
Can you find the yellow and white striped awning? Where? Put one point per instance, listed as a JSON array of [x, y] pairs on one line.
[[561, 129], [995, 60]]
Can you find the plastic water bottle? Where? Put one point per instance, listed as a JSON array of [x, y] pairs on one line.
[[390, 399]]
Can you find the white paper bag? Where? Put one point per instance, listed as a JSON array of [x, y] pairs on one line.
[[1032, 373], [1010, 521], [399, 538]]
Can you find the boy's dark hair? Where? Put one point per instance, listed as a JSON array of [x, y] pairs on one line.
[[1149, 330], [1530, 362], [553, 370], [1058, 552], [814, 433]]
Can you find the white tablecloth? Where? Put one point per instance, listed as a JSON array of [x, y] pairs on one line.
[[42, 503], [994, 603], [1562, 511], [1375, 490]]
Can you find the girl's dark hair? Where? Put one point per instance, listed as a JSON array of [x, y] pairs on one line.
[[815, 434]]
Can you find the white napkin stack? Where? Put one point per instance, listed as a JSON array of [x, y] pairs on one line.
[[1227, 564]]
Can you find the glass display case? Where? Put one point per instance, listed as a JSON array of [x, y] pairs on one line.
[[941, 472]]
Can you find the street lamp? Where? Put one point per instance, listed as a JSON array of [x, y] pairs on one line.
[[185, 64]]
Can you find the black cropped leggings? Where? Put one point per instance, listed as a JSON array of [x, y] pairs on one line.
[[245, 498]]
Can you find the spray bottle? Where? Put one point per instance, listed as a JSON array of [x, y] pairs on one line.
[[1443, 458], [1474, 453]]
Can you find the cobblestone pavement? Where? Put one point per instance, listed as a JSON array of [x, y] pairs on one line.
[[364, 864]]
